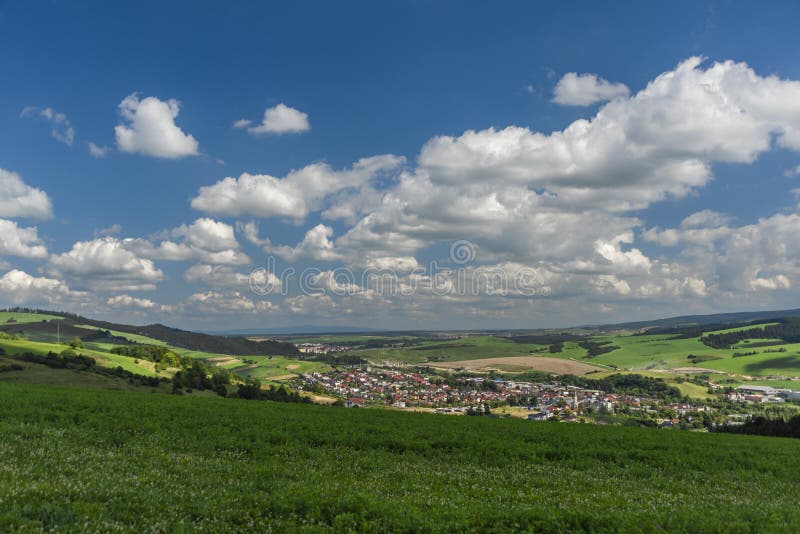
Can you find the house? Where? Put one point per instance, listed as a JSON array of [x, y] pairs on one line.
[[354, 403], [544, 416]]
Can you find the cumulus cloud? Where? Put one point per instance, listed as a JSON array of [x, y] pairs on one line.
[[205, 240], [516, 193], [136, 303], [575, 89], [279, 119], [61, 129], [316, 245], [292, 197], [18, 287], [226, 302], [105, 264], [753, 257], [18, 199], [22, 242], [150, 129], [221, 276]]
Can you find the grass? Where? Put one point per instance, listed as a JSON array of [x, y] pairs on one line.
[[77, 460], [663, 352], [765, 363], [467, 348], [105, 359], [25, 317], [268, 368], [740, 328], [33, 373], [133, 338]]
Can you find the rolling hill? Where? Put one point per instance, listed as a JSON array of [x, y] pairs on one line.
[[47, 327]]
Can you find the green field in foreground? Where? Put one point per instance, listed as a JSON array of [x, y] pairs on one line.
[[77, 460]]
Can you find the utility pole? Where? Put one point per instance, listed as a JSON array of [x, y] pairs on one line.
[[58, 326]]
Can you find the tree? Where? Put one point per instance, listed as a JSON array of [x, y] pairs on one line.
[[76, 343]]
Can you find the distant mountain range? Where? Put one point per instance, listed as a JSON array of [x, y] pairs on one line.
[[233, 341], [703, 320], [294, 330]]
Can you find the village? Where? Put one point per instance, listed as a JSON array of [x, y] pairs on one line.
[[478, 395]]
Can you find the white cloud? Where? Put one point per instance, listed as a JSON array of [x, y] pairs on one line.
[[61, 130], [129, 302], [220, 276], [586, 89], [563, 202], [278, 120], [516, 193], [229, 302], [293, 197], [151, 129], [207, 234], [105, 264], [204, 240], [18, 287], [316, 245], [623, 261], [22, 242], [18, 199], [776, 282], [764, 255], [97, 151]]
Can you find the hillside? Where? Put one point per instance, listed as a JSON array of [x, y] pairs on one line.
[[68, 457], [47, 327]]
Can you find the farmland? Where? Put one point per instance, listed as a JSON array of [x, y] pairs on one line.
[[69, 456], [39, 333], [669, 356], [463, 348], [24, 317], [559, 366]]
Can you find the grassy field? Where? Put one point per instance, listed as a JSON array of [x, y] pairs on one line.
[[25, 317], [260, 367], [104, 359], [75, 460], [559, 366], [740, 328], [133, 338], [33, 373], [642, 353], [467, 348]]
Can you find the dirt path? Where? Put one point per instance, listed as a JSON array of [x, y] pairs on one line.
[[223, 360]]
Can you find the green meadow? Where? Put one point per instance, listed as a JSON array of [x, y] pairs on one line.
[[133, 338], [73, 459], [22, 317], [465, 348]]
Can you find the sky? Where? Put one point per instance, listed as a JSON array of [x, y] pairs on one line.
[[398, 165]]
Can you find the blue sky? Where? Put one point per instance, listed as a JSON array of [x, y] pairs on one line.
[[388, 80]]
